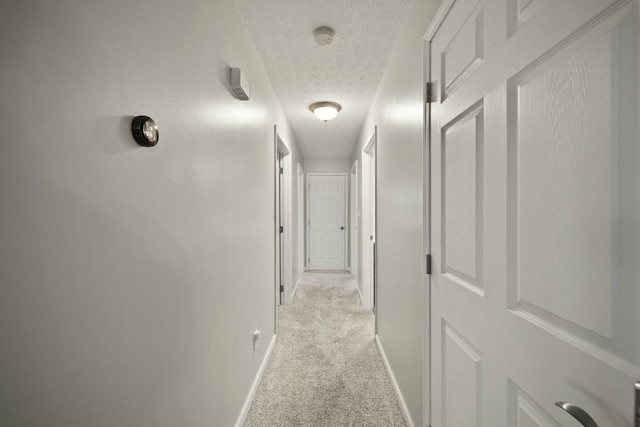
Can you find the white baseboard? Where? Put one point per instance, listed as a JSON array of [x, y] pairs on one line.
[[295, 289], [360, 294], [396, 387], [256, 383]]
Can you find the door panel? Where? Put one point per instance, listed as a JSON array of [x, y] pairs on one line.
[[462, 379], [462, 163], [464, 53], [563, 155], [327, 222], [535, 216], [524, 412]]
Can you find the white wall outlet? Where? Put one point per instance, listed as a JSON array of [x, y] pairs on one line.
[[256, 338]]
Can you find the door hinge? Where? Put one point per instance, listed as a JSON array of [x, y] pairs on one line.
[[281, 229], [429, 264], [281, 288], [430, 95], [281, 171]]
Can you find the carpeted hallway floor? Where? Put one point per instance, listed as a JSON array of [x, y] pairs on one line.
[[325, 369]]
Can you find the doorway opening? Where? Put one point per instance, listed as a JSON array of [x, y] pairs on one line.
[[369, 223], [302, 252], [354, 214], [281, 212]]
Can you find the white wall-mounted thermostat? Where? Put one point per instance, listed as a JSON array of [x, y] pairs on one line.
[[240, 85], [145, 131]]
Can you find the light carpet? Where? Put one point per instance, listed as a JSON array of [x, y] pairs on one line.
[[325, 369]]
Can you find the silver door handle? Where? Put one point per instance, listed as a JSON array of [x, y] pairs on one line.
[[578, 413]]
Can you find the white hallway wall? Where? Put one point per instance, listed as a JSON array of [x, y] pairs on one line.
[[397, 110], [313, 164], [125, 296]]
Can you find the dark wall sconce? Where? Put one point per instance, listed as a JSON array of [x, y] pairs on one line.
[[145, 131]]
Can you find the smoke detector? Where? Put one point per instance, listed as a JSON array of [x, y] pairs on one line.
[[323, 35]]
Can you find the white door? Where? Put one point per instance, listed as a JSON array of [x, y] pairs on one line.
[[535, 162], [327, 226], [354, 212]]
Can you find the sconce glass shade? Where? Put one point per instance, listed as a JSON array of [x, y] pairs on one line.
[[325, 110]]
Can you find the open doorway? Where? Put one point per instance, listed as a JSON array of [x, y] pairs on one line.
[[354, 214], [302, 256], [369, 223], [281, 259]]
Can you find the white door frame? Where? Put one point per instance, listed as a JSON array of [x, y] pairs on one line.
[[301, 220], [282, 214], [369, 189], [353, 221], [346, 209], [426, 241]]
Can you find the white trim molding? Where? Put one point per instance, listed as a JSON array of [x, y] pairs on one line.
[[256, 383], [396, 387], [359, 294], [442, 12], [294, 290]]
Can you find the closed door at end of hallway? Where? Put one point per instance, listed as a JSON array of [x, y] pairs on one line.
[[327, 226]]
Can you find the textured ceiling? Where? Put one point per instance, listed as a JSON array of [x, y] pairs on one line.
[[348, 71]]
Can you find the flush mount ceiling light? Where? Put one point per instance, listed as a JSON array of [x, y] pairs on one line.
[[325, 110], [323, 35]]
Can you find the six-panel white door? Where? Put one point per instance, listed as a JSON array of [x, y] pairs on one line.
[[327, 226], [535, 190]]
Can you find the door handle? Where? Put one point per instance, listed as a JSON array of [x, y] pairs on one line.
[[342, 228], [578, 413]]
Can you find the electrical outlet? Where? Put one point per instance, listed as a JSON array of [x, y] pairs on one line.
[[256, 338]]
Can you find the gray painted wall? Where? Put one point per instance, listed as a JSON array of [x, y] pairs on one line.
[[398, 112], [312, 164], [132, 278]]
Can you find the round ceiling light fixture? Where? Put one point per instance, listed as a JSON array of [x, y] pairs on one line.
[[325, 110], [323, 35]]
